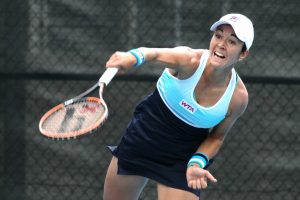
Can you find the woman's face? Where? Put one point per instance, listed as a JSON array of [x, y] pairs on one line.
[[225, 48]]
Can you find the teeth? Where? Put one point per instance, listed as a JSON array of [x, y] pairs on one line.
[[219, 54]]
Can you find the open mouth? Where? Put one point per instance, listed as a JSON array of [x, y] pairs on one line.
[[219, 55]]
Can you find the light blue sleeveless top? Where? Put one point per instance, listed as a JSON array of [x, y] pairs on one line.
[[178, 95]]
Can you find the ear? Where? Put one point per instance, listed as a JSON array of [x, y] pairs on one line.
[[244, 55]]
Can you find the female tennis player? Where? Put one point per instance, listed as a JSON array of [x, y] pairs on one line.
[[178, 129]]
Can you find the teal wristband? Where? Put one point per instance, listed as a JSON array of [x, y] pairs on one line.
[[140, 57], [200, 159]]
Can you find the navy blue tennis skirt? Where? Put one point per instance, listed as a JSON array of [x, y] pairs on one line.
[[158, 145]]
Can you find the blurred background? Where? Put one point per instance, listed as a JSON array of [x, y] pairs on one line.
[[52, 50]]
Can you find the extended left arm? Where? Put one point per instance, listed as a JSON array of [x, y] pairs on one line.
[[212, 144], [238, 105], [197, 176]]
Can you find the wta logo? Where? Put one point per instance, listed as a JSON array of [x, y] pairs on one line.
[[187, 106]]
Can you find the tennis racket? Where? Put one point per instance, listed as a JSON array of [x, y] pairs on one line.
[[79, 115]]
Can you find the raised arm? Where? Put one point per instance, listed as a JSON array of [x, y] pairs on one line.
[[178, 58]]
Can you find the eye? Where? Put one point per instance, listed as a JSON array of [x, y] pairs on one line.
[[218, 36], [232, 42]]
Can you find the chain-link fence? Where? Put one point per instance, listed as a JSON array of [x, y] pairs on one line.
[[52, 50]]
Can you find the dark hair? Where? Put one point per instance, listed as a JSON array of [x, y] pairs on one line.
[[244, 48]]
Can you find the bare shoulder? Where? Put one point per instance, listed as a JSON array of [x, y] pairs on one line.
[[194, 53], [195, 60], [240, 99], [189, 61]]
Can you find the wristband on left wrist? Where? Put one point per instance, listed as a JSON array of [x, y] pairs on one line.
[[199, 159]]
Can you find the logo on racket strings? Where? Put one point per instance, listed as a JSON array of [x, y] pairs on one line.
[[88, 108]]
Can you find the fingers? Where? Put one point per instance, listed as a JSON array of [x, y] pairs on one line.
[[200, 179], [123, 60], [114, 60], [210, 177], [199, 183], [203, 183]]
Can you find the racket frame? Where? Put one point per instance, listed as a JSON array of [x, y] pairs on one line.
[[102, 82]]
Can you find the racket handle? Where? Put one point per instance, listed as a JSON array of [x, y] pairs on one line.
[[108, 75]]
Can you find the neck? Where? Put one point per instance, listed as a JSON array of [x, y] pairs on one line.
[[217, 75]]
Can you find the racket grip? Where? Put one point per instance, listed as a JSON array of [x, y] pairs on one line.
[[108, 75]]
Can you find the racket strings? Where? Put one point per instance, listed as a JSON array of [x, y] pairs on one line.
[[74, 117]]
